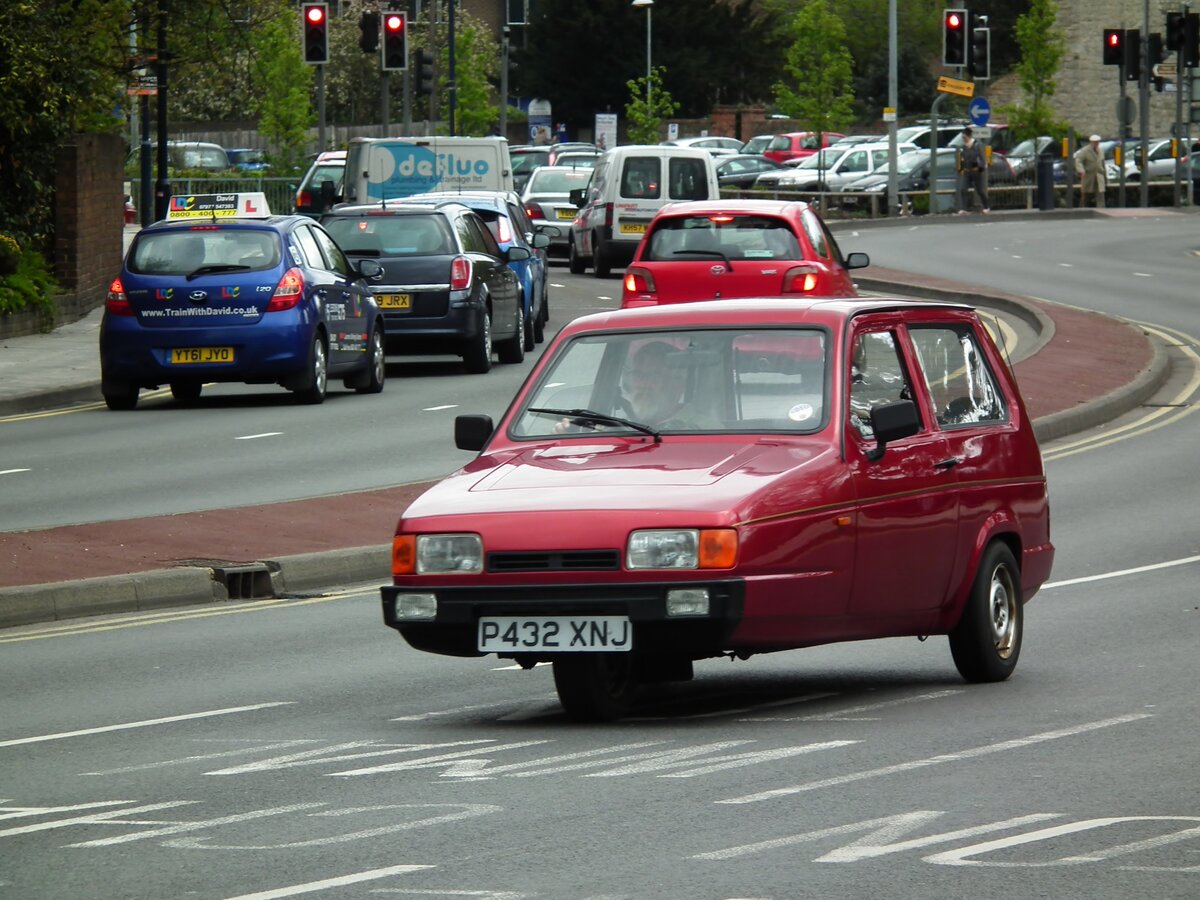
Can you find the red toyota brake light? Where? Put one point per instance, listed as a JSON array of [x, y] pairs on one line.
[[116, 302], [288, 292], [535, 211], [460, 274], [800, 279]]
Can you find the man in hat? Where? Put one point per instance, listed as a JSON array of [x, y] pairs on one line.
[[972, 162], [1089, 165]]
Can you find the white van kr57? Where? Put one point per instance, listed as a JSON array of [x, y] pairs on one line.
[[629, 185], [380, 169]]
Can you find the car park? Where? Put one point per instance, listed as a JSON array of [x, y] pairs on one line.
[[833, 470], [912, 175], [1160, 158], [629, 185], [737, 248], [322, 185], [222, 291], [799, 144], [505, 217], [831, 168], [547, 200], [446, 286], [742, 171], [716, 145]]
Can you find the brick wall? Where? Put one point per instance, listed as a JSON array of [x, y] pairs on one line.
[[89, 224]]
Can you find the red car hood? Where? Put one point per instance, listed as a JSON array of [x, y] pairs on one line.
[[728, 479]]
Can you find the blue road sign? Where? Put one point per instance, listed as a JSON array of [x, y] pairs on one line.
[[979, 110]]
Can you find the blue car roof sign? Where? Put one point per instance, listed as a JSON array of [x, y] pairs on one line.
[[252, 205]]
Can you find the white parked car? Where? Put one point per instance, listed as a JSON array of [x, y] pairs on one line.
[[717, 146], [831, 168]]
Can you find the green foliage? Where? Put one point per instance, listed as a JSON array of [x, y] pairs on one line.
[[819, 91], [477, 61], [30, 286], [61, 72], [285, 113], [1043, 46], [645, 119], [10, 254]]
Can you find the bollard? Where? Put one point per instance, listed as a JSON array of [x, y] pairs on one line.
[[1045, 183]]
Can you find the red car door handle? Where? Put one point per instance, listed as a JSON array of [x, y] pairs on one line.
[[948, 463]]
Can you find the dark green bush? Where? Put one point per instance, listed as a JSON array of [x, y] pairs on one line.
[[29, 287]]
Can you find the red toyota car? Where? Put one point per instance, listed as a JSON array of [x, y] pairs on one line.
[[705, 250], [729, 478]]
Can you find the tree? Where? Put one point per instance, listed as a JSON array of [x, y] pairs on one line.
[[476, 63], [285, 113], [1043, 46], [645, 119], [819, 91]]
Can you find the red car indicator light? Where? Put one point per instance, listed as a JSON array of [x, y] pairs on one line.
[[404, 554], [288, 292], [718, 548], [534, 211], [116, 302], [800, 279], [460, 274]]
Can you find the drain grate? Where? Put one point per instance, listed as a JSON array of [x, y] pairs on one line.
[[250, 582]]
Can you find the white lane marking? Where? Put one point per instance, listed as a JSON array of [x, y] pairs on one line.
[[451, 892], [337, 753], [1169, 564], [1142, 275], [28, 811], [143, 724], [881, 837], [95, 818], [14, 471], [972, 753], [603, 297], [1067, 265], [255, 437], [201, 757], [838, 715], [440, 408], [441, 761], [184, 827], [313, 886]]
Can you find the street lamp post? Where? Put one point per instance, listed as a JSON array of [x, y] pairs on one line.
[[649, 5]]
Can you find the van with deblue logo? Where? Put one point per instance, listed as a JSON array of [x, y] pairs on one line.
[[379, 169]]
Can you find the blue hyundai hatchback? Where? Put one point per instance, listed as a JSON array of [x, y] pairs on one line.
[[223, 291]]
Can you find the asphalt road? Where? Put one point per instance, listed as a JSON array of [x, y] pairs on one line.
[[298, 747]]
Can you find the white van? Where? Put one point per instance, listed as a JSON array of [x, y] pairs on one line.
[[629, 185], [389, 168]]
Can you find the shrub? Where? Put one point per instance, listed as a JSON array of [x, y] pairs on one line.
[[30, 286], [10, 255]]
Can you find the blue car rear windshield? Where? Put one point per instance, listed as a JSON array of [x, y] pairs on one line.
[[183, 251]]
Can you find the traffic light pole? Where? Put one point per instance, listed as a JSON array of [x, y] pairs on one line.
[[162, 185]]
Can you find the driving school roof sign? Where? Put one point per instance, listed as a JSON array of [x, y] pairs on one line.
[[219, 206]]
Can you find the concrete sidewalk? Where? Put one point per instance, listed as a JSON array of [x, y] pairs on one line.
[[1077, 370]]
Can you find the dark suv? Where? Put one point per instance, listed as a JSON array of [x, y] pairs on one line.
[[446, 287]]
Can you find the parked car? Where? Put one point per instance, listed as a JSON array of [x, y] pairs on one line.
[[921, 133], [547, 200], [737, 248], [446, 285], [188, 156], [505, 217], [323, 184], [1160, 158], [742, 171], [728, 478], [1024, 156], [757, 144], [524, 161], [798, 144], [717, 146], [577, 159], [831, 168], [223, 291], [247, 159], [912, 175]]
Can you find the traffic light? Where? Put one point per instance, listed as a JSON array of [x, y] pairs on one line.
[[395, 40], [954, 37], [1175, 22], [315, 25], [1133, 54], [424, 81], [1191, 40], [979, 51], [368, 24], [1154, 55], [1114, 46]]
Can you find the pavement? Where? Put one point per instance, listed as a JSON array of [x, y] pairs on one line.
[[1076, 369]]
